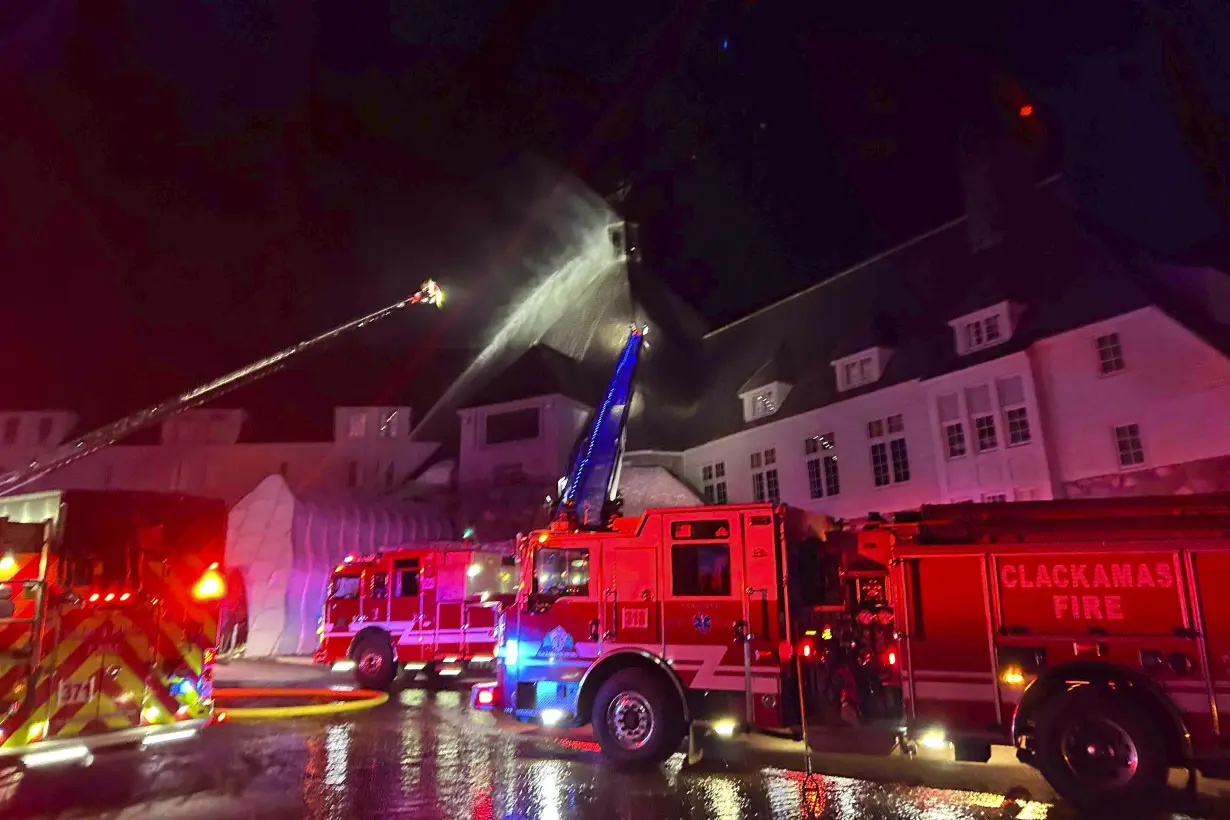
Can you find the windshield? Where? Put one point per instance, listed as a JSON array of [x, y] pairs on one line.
[[344, 587], [561, 573]]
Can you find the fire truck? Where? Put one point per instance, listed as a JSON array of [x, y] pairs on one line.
[[431, 610], [109, 601], [1087, 634], [108, 620]]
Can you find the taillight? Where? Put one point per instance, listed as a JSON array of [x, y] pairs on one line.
[[891, 657], [211, 586], [486, 697], [807, 649]]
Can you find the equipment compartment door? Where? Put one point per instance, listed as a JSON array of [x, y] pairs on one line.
[[127, 664], [405, 610], [70, 707], [633, 605]]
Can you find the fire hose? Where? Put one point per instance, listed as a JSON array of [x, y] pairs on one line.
[[341, 702]]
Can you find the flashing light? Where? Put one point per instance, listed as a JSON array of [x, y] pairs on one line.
[[934, 739], [892, 657], [508, 653], [468, 534], [37, 732], [211, 586], [1012, 676], [348, 559], [8, 563], [222, 717], [542, 539], [94, 597], [473, 570], [807, 649], [151, 714], [552, 717], [110, 596], [1026, 111], [343, 666], [725, 728], [486, 697], [125, 596]]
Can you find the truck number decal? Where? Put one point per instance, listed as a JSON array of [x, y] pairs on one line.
[[75, 693], [634, 618], [1052, 589]]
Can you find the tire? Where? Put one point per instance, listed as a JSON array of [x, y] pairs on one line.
[[373, 663], [1120, 730], [637, 719]]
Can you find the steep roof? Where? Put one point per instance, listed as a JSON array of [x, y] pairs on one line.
[[902, 299]]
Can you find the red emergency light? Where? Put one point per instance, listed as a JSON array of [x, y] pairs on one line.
[[109, 597], [211, 586], [486, 697]]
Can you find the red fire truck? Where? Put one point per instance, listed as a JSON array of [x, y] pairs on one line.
[[432, 610], [1087, 634], [108, 622]]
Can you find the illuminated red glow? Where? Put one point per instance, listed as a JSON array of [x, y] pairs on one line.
[[1026, 111], [486, 697], [892, 658]]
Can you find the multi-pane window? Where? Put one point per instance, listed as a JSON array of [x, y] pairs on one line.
[[358, 425], [713, 482], [388, 424], [822, 475], [1127, 441], [764, 476], [982, 332], [982, 414], [890, 456], [1011, 393], [857, 373], [952, 427], [1110, 354]]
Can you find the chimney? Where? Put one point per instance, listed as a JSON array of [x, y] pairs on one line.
[[997, 181]]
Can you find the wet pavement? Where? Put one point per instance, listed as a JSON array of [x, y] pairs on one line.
[[426, 755]]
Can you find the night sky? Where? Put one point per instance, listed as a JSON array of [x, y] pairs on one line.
[[184, 186]]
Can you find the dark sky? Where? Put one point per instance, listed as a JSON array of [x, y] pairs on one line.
[[184, 186]]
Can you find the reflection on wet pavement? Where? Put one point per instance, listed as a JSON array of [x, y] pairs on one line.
[[419, 756]]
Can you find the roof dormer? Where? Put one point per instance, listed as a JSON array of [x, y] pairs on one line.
[[985, 328], [861, 369], [762, 402]]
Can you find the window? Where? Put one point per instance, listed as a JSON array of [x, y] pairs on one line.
[[954, 439], [11, 426], [995, 498], [358, 425], [1016, 417], [700, 570], [406, 578], [1110, 354], [1131, 450], [857, 372], [982, 332], [561, 573], [763, 404], [822, 475], [1018, 425], [764, 479], [984, 429], [512, 425], [978, 400], [44, 429], [345, 587], [388, 424], [890, 455], [379, 587], [713, 479]]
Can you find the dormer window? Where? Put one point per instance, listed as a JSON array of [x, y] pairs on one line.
[[986, 328], [763, 401], [861, 369]]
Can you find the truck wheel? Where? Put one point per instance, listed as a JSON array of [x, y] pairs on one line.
[[373, 663], [1098, 749], [636, 720]]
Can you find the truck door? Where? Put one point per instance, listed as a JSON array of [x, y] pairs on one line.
[[632, 603], [374, 605], [429, 583], [406, 610]]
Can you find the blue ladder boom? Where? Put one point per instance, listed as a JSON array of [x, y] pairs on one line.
[[593, 480]]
